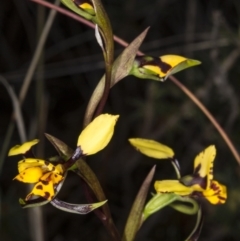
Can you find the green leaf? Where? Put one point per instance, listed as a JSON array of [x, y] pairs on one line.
[[123, 64], [135, 216], [76, 208], [121, 68], [157, 202], [152, 148]]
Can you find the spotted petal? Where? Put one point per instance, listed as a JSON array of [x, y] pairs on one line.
[[43, 189], [22, 149], [216, 194]]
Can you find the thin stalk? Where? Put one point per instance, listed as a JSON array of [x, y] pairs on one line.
[[209, 116]]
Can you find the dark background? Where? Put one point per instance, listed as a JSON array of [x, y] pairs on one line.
[[73, 64]]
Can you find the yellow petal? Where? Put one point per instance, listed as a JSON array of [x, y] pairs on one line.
[[216, 194], [29, 162], [44, 189], [203, 165], [50, 176], [172, 186], [152, 148], [97, 134], [22, 149], [30, 175]]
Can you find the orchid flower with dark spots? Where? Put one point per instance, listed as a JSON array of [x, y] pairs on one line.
[[47, 175], [199, 184]]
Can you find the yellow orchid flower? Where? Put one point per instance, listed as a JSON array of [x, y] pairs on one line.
[[46, 175], [200, 183], [41, 172]]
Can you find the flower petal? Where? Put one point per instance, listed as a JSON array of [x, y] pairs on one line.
[[172, 186], [44, 189], [203, 166], [152, 148], [32, 162], [21, 149], [216, 194], [30, 175], [29, 162], [97, 134]]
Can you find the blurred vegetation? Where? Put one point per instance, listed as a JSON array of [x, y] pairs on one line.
[[70, 67]]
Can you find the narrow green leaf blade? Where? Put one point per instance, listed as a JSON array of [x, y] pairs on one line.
[[135, 216]]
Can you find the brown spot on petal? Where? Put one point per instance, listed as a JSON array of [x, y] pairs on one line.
[[143, 60], [44, 182], [40, 187], [47, 195]]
